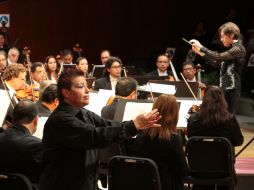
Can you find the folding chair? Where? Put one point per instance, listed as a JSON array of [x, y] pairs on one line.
[[14, 181], [211, 161], [133, 173]]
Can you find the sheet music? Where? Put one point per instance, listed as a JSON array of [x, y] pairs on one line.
[[185, 105], [158, 88], [98, 100], [132, 109], [5, 103], [40, 127]]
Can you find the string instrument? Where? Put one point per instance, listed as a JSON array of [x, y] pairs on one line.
[[172, 67], [28, 92], [31, 92], [200, 89], [77, 49], [59, 60], [194, 108]]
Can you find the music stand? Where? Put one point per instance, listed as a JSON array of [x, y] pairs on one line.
[[144, 79], [69, 66], [181, 88], [98, 71], [129, 69]]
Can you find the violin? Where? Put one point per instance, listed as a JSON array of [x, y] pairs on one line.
[[193, 109], [31, 92]]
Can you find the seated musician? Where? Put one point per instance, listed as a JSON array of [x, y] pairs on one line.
[[14, 77], [3, 60], [112, 74], [48, 101], [126, 88], [162, 64], [67, 56], [51, 69], [20, 151], [105, 54], [189, 72], [13, 55], [82, 65], [37, 73]]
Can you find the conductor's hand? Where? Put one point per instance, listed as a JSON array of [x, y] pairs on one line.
[[196, 46], [147, 120]]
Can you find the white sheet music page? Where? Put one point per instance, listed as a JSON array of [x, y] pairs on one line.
[[132, 109], [40, 127], [98, 100], [5, 103]]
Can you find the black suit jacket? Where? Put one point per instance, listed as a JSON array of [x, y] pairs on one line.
[[103, 83], [20, 152], [43, 110], [155, 73]]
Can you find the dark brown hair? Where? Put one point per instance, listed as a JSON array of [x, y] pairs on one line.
[[213, 109]]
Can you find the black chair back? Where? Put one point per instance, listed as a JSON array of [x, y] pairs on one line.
[[133, 173], [210, 158], [14, 181]]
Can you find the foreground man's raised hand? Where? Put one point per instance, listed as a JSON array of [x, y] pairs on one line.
[[147, 120]]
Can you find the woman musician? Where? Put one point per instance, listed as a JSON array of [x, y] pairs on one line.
[[52, 69]]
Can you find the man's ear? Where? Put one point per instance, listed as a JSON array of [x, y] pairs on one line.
[[65, 92]]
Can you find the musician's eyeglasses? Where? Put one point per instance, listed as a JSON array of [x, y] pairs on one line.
[[116, 67]]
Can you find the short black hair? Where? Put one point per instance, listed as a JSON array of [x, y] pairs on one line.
[[110, 61], [66, 52], [49, 94], [125, 86], [35, 65], [188, 63], [65, 80], [24, 112]]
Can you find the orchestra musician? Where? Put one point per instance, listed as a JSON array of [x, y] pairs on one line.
[[52, 69], [82, 65], [112, 74], [15, 77], [105, 54], [13, 55], [67, 56], [189, 72], [162, 64], [3, 60]]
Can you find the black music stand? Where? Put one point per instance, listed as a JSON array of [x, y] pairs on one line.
[[98, 71], [181, 88], [69, 66], [144, 79], [129, 70]]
